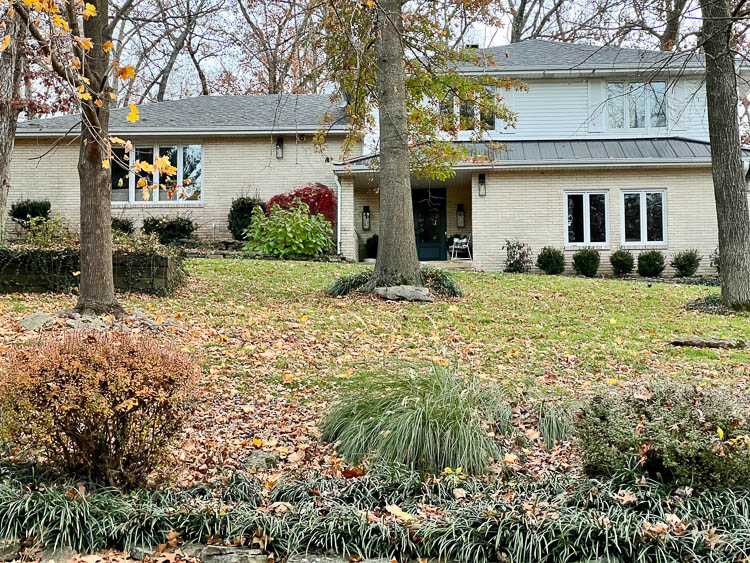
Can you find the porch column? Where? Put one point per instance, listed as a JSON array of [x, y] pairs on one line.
[[349, 247]]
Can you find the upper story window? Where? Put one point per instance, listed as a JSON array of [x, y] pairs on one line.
[[586, 218], [636, 105], [467, 113], [185, 186]]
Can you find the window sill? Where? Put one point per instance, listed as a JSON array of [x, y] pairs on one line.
[[576, 247], [641, 246], [151, 205]]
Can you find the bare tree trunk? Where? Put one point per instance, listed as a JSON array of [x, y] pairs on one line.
[[11, 72], [97, 291], [726, 161], [397, 261], [198, 69]]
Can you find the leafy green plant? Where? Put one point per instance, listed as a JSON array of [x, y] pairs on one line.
[[46, 234], [676, 432], [371, 247], [289, 232], [555, 423], [650, 264], [551, 261], [23, 211], [170, 230], [425, 418], [586, 262], [686, 262], [123, 225], [101, 405], [440, 281], [622, 262], [240, 215], [517, 257]]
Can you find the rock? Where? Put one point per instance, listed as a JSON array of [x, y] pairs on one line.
[[261, 460], [140, 552], [404, 293], [59, 555], [138, 314], [9, 550], [35, 321], [87, 323], [223, 554], [700, 342], [174, 323]]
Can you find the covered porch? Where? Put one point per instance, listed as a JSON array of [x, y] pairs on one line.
[[442, 212]]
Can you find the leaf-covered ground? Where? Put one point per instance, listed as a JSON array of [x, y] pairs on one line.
[[275, 348]]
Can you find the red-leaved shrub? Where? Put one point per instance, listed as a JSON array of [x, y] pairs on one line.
[[318, 197], [103, 406]]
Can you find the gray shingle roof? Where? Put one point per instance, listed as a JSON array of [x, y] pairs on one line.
[[292, 113], [575, 152], [542, 55]]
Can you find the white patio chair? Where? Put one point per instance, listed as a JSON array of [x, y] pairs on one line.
[[460, 245]]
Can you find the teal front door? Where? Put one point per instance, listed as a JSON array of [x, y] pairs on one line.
[[430, 223]]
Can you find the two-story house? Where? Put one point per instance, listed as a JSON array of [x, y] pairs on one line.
[[610, 151]]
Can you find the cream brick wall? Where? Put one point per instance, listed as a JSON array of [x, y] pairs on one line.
[[232, 166], [528, 205]]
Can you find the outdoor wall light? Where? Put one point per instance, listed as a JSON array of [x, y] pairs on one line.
[[460, 216], [366, 218], [482, 185], [280, 148]]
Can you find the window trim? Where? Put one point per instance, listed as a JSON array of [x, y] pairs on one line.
[[155, 199], [644, 214], [626, 105], [586, 219]]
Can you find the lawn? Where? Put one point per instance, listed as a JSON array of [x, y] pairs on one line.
[[275, 348]]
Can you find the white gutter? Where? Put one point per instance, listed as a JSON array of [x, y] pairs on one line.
[[338, 214]]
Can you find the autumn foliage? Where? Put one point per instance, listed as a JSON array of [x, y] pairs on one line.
[[104, 406], [318, 197]]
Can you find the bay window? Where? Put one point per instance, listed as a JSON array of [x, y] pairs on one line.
[[587, 221], [636, 105], [644, 217], [185, 186]]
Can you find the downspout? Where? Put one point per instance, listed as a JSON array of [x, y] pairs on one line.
[[338, 214]]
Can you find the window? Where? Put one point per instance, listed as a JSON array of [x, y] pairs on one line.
[[586, 218], [636, 105], [644, 217], [186, 185], [466, 113]]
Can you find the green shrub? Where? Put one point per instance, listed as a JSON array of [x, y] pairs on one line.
[[22, 211], [440, 282], [650, 264], [289, 232], [48, 234], [428, 419], [170, 230], [622, 262], [101, 405], [676, 432], [123, 225], [517, 257], [715, 260], [586, 262], [241, 215], [371, 247], [345, 285], [686, 262], [551, 261]]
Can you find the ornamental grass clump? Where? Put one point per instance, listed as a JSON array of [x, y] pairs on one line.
[[678, 433], [424, 418], [435, 279], [96, 405]]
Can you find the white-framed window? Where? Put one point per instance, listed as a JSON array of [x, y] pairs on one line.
[[184, 187], [467, 114], [644, 217], [586, 218], [636, 105]]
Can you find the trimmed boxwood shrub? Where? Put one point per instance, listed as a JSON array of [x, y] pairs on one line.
[[622, 262], [101, 405], [586, 262], [551, 261], [170, 230], [123, 225], [676, 432], [241, 215], [22, 211], [318, 197], [650, 264], [686, 262]]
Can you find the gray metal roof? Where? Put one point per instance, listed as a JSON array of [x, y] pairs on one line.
[[218, 115], [542, 55], [572, 153]]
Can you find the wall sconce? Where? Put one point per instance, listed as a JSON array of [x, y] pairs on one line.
[[366, 218], [460, 216], [482, 185], [280, 148]]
